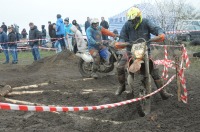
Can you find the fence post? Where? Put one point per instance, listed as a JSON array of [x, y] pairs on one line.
[[177, 78]]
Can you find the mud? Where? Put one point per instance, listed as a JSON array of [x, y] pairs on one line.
[[66, 87]]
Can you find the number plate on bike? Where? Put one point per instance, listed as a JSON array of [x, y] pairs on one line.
[[138, 50]]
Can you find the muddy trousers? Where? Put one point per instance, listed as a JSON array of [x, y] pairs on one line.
[[96, 57]]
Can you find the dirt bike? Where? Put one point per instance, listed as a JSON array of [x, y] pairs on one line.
[[86, 60], [139, 79]]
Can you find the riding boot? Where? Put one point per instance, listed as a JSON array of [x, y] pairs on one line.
[[94, 70], [163, 93], [122, 87]]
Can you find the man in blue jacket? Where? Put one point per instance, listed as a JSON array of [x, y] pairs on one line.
[[4, 45], [60, 31], [68, 34], [137, 27]]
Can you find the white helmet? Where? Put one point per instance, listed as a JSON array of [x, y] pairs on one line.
[[94, 20]]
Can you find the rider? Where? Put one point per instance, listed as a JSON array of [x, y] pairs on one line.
[[138, 27], [94, 35]]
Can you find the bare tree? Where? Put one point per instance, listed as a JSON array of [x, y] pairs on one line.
[[171, 12]]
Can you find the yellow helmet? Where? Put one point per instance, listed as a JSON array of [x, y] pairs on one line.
[[133, 12]]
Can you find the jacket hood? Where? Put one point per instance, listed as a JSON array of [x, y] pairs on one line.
[[60, 20], [73, 29]]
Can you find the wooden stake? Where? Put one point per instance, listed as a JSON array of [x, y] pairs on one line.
[[177, 78], [30, 86]]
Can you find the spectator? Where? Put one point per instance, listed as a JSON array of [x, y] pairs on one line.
[[87, 23], [12, 44], [55, 43], [4, 27], [77, 25], [68, 34], [50, 28], [60, 31], [34, 35], [106, 26], [24, 33], [53, 31], [16, 30], [4, 45], [44, 32], [80, 42]]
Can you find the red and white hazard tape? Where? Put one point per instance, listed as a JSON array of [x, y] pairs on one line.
[[31, 40], [167, 63], [165, 70], [184, 97], [7, 106], [27, 48], [185, 57], [175, 46], [180, 31]]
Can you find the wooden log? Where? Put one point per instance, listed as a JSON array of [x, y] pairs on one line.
[[4, 91]]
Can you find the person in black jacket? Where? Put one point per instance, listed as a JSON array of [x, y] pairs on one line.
[[4, 27], [87, 23], [53, 33], [50, 28], [12, 44], [104, 24], [77, 25], [137, 27], [44, 32], [34, 35], [24, 33]]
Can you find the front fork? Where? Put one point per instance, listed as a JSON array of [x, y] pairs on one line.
[[147, 73]]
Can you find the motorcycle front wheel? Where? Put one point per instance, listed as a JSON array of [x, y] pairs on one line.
[[138, 91]]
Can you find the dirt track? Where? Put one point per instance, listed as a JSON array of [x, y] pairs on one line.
[[66, 87]]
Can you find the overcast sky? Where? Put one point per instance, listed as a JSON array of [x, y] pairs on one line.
[[40, 12]]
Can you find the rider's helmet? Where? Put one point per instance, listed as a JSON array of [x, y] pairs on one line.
[[133, 12], [95, 22]]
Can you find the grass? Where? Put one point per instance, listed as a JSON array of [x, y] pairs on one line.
[[26, 57]]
